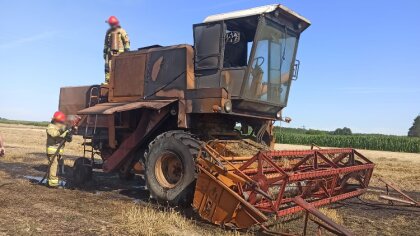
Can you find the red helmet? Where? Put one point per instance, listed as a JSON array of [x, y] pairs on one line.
[[59, 116], [112, 20]]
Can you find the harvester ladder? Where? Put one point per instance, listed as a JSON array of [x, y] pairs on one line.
[[94, 98]]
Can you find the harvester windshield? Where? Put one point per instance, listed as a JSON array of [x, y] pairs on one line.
[[271, 64]]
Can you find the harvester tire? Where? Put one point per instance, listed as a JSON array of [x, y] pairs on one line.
[[170, 167], [82, 171]]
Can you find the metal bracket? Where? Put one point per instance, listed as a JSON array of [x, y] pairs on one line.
[[406, 199], [296, 70], [325, 223]]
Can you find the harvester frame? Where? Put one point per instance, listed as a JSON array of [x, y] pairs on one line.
[[163, 104]]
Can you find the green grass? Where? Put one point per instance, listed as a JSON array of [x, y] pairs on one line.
[[361, 141], [23, 122]]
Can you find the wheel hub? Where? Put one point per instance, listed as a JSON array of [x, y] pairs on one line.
[[169, 169]]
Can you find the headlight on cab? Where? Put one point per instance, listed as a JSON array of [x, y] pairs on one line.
[[278, 115], [228, 106]]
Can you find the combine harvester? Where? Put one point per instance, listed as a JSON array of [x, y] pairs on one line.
[[199, 120]]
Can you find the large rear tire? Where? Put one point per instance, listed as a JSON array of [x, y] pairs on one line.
[[170, 167]]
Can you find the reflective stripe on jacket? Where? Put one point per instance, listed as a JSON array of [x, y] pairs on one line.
[[55, 134], [52, 150]]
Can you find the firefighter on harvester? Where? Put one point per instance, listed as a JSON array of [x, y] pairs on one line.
[[56, 133], [116, 42]]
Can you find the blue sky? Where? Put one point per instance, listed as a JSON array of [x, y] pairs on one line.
[[360, 63]]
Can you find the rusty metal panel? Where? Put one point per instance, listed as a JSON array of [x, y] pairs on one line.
[[158, 72], [205, 105], [73, 99], [190, 67], [148, 122], [208, 80], [127, 75], [206, 93], [182, 116], [167, 71], [111, 108], [219, 204], [207, 100]]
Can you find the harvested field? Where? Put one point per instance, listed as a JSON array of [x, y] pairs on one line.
[[109, 206]]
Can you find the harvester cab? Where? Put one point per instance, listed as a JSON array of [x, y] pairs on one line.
[[250, 53]]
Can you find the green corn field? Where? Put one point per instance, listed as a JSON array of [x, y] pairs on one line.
[[371, 142]]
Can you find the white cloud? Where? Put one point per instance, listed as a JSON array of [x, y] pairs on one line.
[[28, 39]]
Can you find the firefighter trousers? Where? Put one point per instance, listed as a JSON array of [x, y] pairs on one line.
[[53, 179]]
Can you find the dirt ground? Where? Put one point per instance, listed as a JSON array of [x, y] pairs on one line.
[[109, 206]]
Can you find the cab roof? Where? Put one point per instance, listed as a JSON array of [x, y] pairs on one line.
[[256, 11]]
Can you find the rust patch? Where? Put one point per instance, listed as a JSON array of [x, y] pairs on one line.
[[156, 68], [190, 68], [111, 108], [182, 117]]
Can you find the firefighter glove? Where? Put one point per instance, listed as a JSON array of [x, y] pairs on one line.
[[64, 134]]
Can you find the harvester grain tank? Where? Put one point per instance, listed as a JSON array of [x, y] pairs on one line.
[[200, 118]]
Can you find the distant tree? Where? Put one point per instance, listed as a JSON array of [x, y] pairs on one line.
[[347, 131], [343, 131], [315, 132], [414, 131]]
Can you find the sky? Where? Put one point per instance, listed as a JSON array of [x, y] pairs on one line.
[[360, 63]]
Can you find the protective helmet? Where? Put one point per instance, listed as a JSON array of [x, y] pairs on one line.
[[112, 20], [59, 116]]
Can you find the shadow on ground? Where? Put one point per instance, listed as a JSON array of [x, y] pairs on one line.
[[101, 182]]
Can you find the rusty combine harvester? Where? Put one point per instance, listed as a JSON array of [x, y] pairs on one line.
[[199, 119]]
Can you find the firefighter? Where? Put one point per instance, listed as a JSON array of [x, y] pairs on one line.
[[2, 151], [116, 42], [56, 133]]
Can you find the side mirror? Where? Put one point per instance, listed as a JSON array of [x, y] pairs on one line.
[[296, 70]]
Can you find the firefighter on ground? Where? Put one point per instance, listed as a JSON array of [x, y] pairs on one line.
[[2, 151], [116, 42], [56, 133]]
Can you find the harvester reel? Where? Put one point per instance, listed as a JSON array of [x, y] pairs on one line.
[[275, 182]]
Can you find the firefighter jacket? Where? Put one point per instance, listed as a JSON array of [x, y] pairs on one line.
[[116, 41], [56, 133]]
